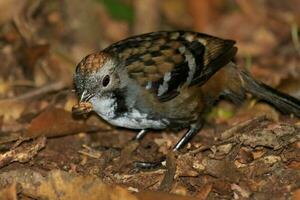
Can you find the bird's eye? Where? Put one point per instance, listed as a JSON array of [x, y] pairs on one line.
[[105, 80]]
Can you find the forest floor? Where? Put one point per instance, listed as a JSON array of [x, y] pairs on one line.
[[247, 151]]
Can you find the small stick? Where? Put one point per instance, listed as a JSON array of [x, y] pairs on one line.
[[52, 87], [23, 153], [167, 182]]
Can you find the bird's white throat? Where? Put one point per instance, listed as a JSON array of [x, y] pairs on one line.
[[105, 107]]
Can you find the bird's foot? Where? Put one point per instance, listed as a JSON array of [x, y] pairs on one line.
[[145, 165]]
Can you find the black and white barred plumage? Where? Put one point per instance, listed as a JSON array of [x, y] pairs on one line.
[[165, 61]]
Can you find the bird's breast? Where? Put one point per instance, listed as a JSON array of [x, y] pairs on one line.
[[134, 119], [107, 108]]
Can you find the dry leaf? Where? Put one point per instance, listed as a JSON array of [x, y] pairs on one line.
[[11, 110], [58, 184], [57, 122], [204, 191], [9, 192]]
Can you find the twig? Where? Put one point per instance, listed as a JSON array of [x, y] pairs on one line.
[[22, 24], [244, 125], [126, 153], [12, 128], [167, 182], [88, 151], [52, 87], [23, 153], [295, 37]]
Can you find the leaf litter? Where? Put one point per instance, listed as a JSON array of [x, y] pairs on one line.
[[244, 152]]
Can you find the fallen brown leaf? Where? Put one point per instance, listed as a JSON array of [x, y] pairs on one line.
[[9, 193], [30, 55], [296, 195], [58, 184], [204, 191], [62, 185], [245, 156], [294, 165], [55, 122]]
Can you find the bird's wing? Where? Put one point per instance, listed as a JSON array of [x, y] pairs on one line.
[[163, 62]]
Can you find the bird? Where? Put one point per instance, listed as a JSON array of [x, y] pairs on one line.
[[167, 80]]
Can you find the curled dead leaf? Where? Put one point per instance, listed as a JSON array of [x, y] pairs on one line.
[[55, 122]]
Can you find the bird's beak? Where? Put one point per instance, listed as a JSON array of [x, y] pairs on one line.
[[83, 106], [83, 96]]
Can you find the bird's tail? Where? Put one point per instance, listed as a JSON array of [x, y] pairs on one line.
[[283, 102]]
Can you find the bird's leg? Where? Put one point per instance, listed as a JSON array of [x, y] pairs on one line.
[[146, 165], [149, 165], [194, 129], [140, 134]]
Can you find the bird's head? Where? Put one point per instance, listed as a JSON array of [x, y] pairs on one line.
[[95, 77]]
